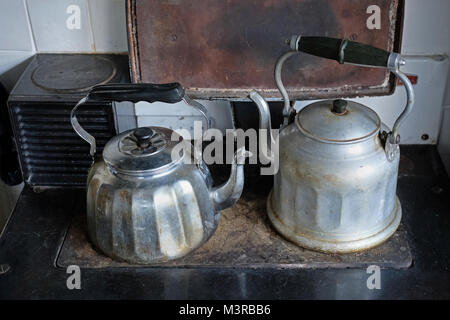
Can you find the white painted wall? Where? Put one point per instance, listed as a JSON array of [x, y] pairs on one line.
[[427, 31]]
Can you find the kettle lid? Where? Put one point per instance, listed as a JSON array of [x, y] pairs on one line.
[[141, 150], [338, 121]]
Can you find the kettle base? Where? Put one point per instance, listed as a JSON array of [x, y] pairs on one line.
[[328, 246]]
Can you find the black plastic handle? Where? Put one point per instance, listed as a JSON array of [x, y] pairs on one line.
[[135, 92], [344, 51]]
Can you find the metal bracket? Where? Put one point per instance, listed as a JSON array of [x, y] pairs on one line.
[[395, 60], [392, 147]]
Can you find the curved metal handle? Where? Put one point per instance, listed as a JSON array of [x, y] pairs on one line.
[[80, 131], [278, 68], [200, 108], [168, 93], [394, 63], [320, 46]]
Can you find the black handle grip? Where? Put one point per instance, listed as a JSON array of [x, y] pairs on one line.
[[344, 51], [135, 92]]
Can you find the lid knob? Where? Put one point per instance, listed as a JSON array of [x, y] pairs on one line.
[[339, 106], [143, 136]]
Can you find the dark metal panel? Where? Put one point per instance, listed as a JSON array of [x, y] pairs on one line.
[[222, 49], [50, 152]]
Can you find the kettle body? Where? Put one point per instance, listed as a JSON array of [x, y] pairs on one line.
[[150, 217], [335, 190], [334, 196], [149, 199]]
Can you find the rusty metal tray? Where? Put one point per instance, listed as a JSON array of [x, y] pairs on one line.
[[223, 49]]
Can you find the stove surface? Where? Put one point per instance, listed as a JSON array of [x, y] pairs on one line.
[[59, 76], [40, 224], [235, 245]]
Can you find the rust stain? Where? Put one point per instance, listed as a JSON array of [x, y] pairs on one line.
[[332, 179], [229, 47], [126, 197]]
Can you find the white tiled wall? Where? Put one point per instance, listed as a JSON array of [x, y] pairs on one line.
[[427, 31], [15, 31], [108, 25], [61, 25], [30, 26]]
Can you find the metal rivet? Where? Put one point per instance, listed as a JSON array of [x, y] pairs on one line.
[[425, 136]]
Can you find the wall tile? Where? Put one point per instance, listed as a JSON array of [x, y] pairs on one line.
[[108, 21], [54, 29], [15, 32], [426, 27], [12, 64], [180, 115]]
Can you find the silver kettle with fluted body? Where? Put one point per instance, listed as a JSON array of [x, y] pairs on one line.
[[335, 190], [145, 203]]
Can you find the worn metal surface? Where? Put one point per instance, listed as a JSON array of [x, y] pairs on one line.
[[244, 238], [74, 73], [336, 187], [145, 207], [50, 153], [226, 48], [335, 190]]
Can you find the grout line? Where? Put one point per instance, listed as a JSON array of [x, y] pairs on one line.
[[17, 51], [91, 29], [30, 27]]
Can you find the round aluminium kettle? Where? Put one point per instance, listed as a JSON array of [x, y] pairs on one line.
[[335, 190], [145, 203]]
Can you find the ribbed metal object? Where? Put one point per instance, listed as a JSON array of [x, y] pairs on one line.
[[157, 218], [145, 206], [335, 190], [50, 152]]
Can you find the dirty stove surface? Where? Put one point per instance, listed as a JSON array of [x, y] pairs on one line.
[[244, 238], [245, 258]]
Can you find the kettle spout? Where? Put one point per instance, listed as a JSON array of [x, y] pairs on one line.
[[264, 123], [227, 194]]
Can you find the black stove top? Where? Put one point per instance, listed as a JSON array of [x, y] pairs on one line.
[[32, 241], [50, 152], [60, 76]]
